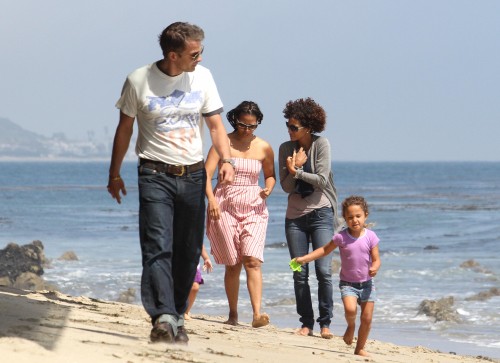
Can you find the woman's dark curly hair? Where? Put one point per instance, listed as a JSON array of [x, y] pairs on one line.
[[307, 112], [244, 108]]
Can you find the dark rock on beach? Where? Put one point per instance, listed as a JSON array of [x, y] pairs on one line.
[[284, 301], [484, 295], [127, 296], [15, 259], [469, 264], [22, 266], [431, 247], [68, 256], [440, 310], [475, 266]]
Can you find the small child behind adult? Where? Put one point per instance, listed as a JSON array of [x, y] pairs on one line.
[[198, 280], [360, 261]]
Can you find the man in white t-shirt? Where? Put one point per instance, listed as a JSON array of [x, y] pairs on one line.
[[169, 99]]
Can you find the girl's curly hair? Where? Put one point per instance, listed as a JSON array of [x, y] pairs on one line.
[[244, 108], [307, 112], [354, 200], [359, 201]]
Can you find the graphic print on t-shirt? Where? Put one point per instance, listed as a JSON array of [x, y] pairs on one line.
[[177, 117]]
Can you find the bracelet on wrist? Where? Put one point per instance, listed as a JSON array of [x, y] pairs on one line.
[[116, 178], [298, 173], [229, 161]]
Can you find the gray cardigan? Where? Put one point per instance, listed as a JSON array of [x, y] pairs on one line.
[[321, 176]]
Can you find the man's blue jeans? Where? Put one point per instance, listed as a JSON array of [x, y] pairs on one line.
[[171, 227], [317, 228]]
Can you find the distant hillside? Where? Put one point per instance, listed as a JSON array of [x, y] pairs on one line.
[[16, 142]]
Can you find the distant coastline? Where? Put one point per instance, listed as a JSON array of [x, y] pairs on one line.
[[61, 159], [20, 145]]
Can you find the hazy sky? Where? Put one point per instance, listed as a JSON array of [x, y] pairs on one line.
[[399, 80]]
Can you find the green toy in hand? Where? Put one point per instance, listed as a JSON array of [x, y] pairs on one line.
[[295, 266]]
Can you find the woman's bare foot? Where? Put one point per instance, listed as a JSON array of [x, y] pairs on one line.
[[362, 353], [261, 320], [349, 334], [232, 320], [305, 331], [326, 333]]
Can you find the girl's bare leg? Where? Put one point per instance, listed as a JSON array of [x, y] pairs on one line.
[[232, 286], [192, 297], [350, 311], [364, 328]]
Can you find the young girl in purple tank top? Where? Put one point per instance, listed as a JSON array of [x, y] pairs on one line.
[[360, 262]]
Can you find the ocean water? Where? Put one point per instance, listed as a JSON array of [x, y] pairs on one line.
[[430, 217]]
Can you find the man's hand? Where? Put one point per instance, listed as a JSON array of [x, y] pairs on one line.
[[115, 185], [226, 173]]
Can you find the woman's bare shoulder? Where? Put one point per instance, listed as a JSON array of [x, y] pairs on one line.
[[262, 143]]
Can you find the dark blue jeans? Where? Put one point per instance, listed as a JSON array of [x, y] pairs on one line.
[[317, 228], [171, 226]]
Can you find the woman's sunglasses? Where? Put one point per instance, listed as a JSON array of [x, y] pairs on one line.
[[246, 126], [293, 128]]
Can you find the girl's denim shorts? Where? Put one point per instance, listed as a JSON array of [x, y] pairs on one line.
[[363, 291]]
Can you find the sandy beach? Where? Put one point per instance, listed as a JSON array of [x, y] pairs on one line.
[[51, 327]]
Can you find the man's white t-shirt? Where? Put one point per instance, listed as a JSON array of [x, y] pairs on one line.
[[169, 112]]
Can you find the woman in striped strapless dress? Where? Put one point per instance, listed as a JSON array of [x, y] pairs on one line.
[[237, 213]]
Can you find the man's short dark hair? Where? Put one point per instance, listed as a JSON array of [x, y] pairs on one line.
[[173, 38]]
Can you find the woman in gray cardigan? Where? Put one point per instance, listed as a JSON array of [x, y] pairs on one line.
[[311, 216]]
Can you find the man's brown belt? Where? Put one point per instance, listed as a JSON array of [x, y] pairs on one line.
[[177, 170]]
